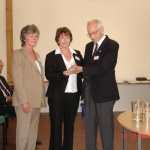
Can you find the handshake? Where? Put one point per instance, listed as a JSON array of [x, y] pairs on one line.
[[74, 69]]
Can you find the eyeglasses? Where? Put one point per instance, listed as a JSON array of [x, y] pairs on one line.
[[93, 33]]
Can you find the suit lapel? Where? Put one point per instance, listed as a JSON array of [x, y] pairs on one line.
[[91, 50], [76, 59], [102, 47], [60, 61], [29, 58]]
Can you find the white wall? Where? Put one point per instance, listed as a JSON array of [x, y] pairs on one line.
[[128, 22]]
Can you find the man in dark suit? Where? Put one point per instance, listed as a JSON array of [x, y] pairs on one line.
[[99, 86], [5, 96]]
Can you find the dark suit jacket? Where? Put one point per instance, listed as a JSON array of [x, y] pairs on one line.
[[2, 97], [100, 73], [54, 67]]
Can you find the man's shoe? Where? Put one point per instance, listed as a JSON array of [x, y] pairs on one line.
[[38, 142]]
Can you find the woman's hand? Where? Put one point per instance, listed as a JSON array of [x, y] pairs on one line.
[[26, 107], [72, 70]]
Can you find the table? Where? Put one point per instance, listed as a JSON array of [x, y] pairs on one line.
[[141, 128]]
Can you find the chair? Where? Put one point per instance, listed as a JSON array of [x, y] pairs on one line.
[[6, 126], [2, 122]]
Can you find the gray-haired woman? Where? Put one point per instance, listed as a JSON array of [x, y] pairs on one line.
[[29, 95]]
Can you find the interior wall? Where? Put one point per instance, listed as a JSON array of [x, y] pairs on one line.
[[127, 22], [3, 36]]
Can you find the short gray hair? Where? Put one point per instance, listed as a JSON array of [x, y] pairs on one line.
[[96, 21], [29, 29]]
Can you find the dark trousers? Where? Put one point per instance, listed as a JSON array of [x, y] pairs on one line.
[[62, 110], [98, 114], [7, 108]]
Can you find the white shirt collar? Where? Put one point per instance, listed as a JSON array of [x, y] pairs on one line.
[[57, 51], [101, 40]]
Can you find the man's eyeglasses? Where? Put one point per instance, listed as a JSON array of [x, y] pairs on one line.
[[93, 33]]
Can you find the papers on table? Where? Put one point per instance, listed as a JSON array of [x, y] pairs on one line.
[[133, 82], [119, 81], [145, 81], [138, 82]]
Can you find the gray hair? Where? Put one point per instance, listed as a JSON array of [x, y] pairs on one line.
[[29, 29], [97, 22]]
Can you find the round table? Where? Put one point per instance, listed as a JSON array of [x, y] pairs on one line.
[[141, 128]]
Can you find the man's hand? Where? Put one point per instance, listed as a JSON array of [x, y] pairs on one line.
[[9, 99], [73, 70], [26, 107]]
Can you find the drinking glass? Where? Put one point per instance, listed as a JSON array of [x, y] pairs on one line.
[[137, 110]]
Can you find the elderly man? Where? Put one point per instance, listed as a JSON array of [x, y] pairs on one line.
[[99, 87], [5, 96]]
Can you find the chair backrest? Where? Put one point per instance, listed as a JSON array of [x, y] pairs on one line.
[[2, 119], [7, 115]]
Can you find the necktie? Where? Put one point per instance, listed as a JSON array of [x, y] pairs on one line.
[[3, 88], [95, 50]]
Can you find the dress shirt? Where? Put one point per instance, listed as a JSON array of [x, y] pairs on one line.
[[37, 63], [99, 43], [72, 80]]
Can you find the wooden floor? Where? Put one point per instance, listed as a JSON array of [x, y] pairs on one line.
[[79, 136]]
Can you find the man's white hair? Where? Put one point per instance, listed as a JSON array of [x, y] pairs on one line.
[[96, 21]]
